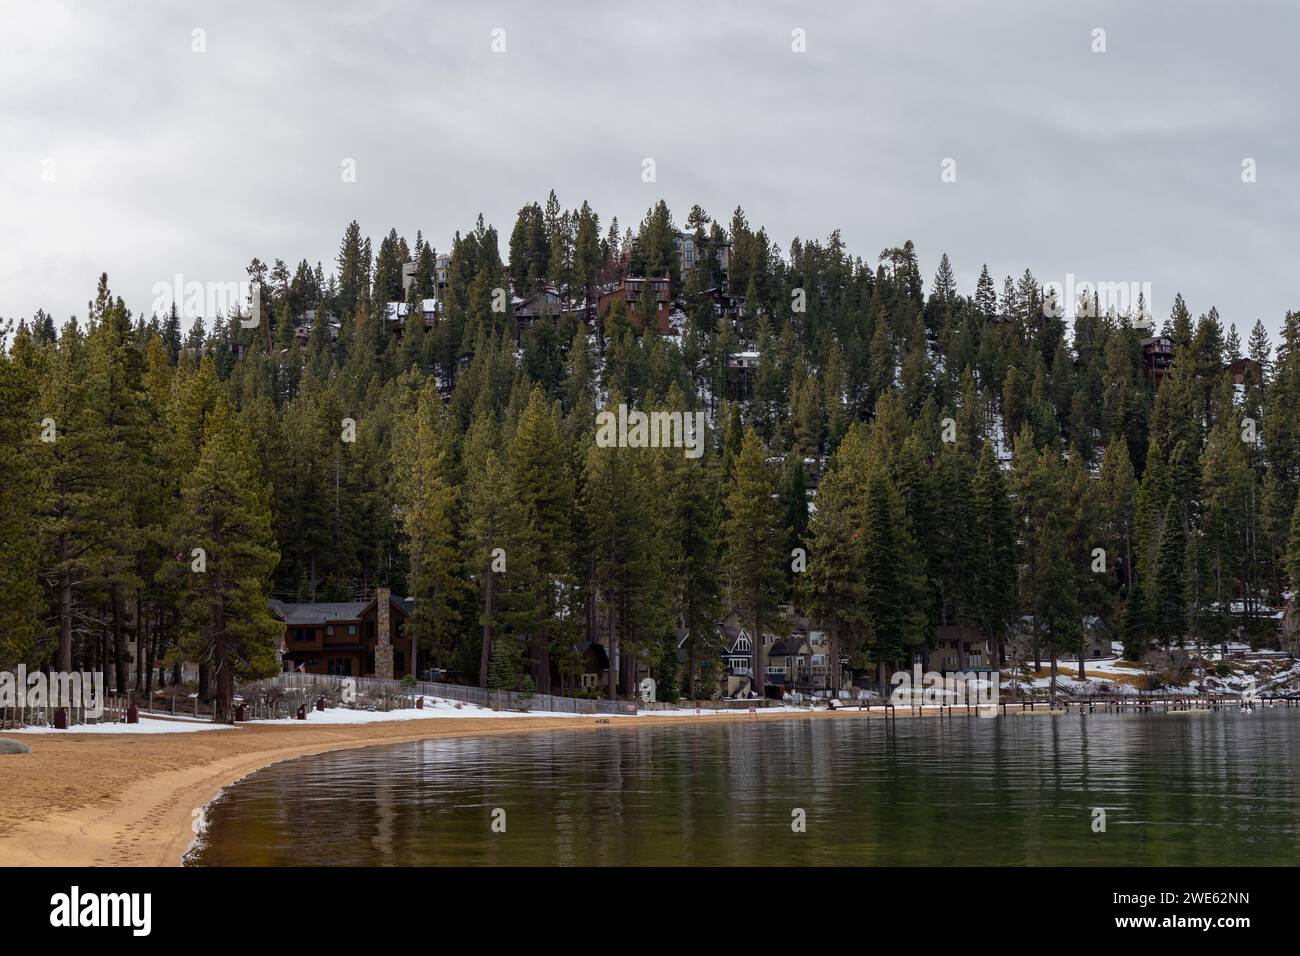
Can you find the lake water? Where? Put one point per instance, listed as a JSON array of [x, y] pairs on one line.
[[1217, 789]]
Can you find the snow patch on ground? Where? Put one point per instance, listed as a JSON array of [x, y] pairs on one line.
[[147, 725], [433, 707]]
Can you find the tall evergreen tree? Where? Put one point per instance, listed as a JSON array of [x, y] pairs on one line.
[[754, 554], [225, 516]]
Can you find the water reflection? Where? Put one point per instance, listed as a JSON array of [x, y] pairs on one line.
[[1218, 789]]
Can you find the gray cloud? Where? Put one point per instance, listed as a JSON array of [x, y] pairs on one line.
[[1117, 166]]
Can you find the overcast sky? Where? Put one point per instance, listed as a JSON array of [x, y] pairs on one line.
[[123, 150]]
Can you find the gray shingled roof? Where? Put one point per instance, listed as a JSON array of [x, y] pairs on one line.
[[301, 614], [785, 648]]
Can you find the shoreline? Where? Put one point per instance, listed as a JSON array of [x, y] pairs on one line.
[[84, 799]]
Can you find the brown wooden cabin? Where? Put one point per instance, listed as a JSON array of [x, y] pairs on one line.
[[628, 291], [340, 638]]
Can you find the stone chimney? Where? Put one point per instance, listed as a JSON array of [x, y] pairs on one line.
[[383, 636]]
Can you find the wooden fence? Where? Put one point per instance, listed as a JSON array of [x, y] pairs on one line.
[[311, 686], [113, 712]]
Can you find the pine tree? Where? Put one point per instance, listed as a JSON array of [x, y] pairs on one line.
[[1169, 586], [620, 534], [429, 521], [74, 501], [993, 552], [489, 518], [114, 369], [986, 299], [225, 512], [690, 511], [1055, 596], [1293, 550], [896, 601], [542, 490], [503, 671], [831, 590], [754, 558], [22, 610]]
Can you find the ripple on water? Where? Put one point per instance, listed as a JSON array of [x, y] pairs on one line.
[[1219, 790]]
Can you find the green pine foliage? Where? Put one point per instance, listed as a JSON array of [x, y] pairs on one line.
[[325, 452], [225, 516]]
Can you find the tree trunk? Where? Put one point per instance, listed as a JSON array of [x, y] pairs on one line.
[[149, 662], [541, 660], [223, 704], [120, 677], [141, 642], [611, 638], [690, 667], [836, 678], [223, 652], [106, 649], [485, 654], [760, 658], [64, 660]]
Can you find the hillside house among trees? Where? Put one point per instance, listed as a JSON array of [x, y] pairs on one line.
[[973, 454], [348, 638], [628, 290], [1157, 357]]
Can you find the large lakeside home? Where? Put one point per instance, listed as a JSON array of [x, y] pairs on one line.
[[348, 638]]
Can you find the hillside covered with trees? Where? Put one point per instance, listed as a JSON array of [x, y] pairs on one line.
[[970, 451]]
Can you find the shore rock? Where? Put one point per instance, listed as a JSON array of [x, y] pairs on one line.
[[13, 747]]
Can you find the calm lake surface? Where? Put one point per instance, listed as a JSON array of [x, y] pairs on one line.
[[1215, 789]]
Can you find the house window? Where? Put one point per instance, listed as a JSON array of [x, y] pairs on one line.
[[352, 630], [329, 630], [341, 666]]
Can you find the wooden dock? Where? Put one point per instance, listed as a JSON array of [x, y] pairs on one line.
[[1176, 704]]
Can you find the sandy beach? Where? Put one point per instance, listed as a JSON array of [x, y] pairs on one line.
[[83, 799]]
